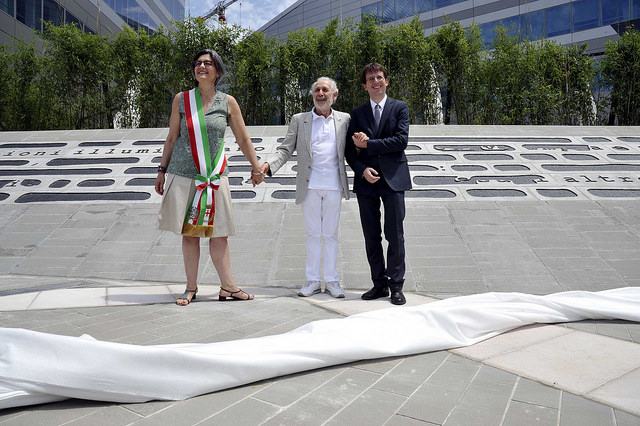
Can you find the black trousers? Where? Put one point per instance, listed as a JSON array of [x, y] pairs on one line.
[[391, 273]]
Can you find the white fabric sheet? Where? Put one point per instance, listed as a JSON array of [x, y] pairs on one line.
[[38, 367]]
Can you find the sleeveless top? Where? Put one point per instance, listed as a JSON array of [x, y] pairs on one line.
[[215, 117]]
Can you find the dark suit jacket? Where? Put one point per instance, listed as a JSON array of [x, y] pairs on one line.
[[385, 148]]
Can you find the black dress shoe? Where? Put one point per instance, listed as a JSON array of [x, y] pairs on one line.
[[397, 297], [375, 293]]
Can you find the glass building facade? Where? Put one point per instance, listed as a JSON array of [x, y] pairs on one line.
[[568, 21], [94, 16], [546, 22], [32, 12]]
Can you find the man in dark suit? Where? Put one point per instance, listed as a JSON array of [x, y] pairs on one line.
[[376, 139]]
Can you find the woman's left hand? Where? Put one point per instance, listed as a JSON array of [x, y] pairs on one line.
[[257, 177], [159, 183]]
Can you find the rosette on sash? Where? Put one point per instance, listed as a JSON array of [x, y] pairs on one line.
[[199, 218]]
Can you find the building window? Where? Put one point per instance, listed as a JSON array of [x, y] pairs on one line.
[[393, 10], [585, 14], [29, 12], [52, 12], [121, 8], [558, 20], [176, 10], [389, 14], [532, 25], [373, 10], [404, 8], [614, 11], [512, 25], [635, 8], [488, 32], [132, 14], [7, 6], [138, 19], [421, 6], [71, 19], [151, 24], [143, 20]]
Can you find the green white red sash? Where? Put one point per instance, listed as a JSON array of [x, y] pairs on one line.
[[203, 206]]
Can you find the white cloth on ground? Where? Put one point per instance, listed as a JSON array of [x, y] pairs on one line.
[[38, 367]]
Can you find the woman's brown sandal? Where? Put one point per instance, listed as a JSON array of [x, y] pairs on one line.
[[231, 296], [185, 296]]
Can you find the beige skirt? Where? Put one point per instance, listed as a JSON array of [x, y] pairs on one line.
[[177, 198]]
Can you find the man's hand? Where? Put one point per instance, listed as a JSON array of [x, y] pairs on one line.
[[360, 140], [370, 175]]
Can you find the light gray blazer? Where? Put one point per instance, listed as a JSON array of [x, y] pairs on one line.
[[299, 139]]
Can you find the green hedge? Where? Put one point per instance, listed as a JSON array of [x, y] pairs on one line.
[[82, 81]]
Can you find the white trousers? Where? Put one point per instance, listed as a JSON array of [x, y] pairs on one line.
[[321, 211]]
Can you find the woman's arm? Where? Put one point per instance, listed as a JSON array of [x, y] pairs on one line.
[[169, 143], [236, 122]]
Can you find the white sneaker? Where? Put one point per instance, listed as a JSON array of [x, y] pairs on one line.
[[334, 289], [309, 289]]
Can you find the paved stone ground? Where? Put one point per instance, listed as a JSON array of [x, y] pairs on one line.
[[585, 373], [453, 248]]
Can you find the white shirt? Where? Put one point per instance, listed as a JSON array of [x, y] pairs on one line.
[[324, 154]]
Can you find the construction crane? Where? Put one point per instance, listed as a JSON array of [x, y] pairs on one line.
[[219, 9]]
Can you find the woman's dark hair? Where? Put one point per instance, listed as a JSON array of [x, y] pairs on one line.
[[217, 62], [372, 67]]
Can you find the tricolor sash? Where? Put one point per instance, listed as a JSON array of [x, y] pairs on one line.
[[199, 219]]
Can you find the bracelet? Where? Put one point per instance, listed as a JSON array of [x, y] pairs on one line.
[[256, 173], [162, 169]]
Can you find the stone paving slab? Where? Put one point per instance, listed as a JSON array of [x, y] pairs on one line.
[[511, 341], [565, 361], [69, 298]]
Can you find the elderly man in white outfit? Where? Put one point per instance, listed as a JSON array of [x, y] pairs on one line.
[[319, 137]]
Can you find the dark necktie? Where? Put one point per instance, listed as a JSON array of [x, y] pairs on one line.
[[376, 115]]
